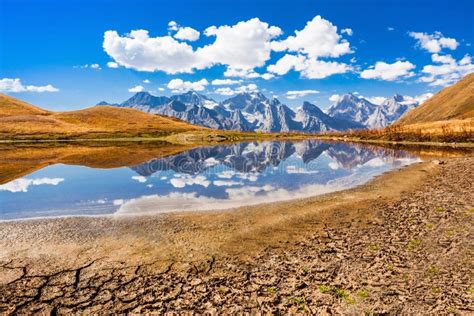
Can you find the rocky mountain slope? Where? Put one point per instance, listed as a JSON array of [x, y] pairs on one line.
[[253, 111], [358, 109], [243, 112]]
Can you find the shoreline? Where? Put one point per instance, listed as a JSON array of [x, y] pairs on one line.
[[171, 139]]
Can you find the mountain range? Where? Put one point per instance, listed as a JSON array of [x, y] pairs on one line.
[[253, 111]]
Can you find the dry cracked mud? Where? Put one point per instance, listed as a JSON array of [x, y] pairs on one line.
[[399, 245]]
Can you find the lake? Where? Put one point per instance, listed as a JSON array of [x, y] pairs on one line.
[[199, 179]]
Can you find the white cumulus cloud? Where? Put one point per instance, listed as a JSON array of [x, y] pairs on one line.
[[112, 64], [435, 42], [15, 85], [243, 46], [251, 87], [172, 26], [389, 72], [293, 94], [319, 38], [347, 31], [187, 34], [224, 82], [310, 68], [136, 89], [447, 70], [137, 50], [179, 85], [240, 48]]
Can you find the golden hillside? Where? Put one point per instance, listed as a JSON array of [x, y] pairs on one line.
[[454, 102], [20, 120], [10, 106]]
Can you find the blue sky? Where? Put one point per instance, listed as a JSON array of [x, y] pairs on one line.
[[375, 48]]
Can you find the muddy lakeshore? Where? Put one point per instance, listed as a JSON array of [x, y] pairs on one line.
[[400, 244]]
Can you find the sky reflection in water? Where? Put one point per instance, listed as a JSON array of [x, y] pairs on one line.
[[206, 178]]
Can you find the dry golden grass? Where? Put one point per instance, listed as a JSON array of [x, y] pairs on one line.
[[455, 102], [10, 106], [440, 131], [20, 120]]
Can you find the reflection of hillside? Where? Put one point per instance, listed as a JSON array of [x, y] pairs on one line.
[[20, 160], [256, 157]]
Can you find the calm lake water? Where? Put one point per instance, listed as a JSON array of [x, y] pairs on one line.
[[218, 177]]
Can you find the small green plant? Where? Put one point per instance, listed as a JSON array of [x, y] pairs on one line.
[[344, 295], [271, 290], [450, 233], [471, 290], [411, 220], [324, 289], [300, 302], [436, 290], [305, 271], [439, 210], [341, 293], [470, 211], [429, 226], [374, 248], [363, 293], [413, 244], [432, 270]]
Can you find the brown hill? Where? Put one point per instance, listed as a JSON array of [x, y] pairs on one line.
[[10, 106], [20, 120], [454, 102]]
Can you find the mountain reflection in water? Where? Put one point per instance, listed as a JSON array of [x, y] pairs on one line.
[[217, 177]]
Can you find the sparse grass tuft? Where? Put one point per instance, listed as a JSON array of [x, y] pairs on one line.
[[324, 289], [271, 290], [300, 302], [436, 290], [341, 293], [471, 290], [374, 248], [363, 293], [440, 210], [432, 270], [413, 244]]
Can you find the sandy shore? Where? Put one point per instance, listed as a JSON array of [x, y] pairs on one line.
[[399, 244]]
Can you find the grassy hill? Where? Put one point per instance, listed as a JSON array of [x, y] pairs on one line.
[[20, 120], [10, 107], [454, 102]]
